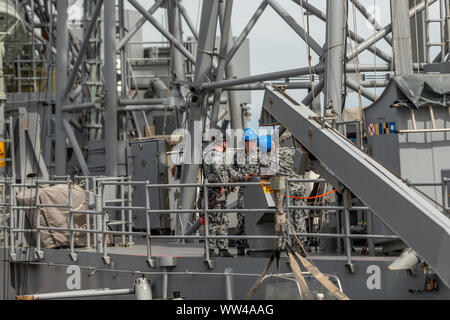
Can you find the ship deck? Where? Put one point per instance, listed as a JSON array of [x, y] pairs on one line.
[[184, 250]]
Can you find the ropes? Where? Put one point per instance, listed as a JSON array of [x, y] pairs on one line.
[[317, 274], [316, 197], [308, 52], [269, 189]]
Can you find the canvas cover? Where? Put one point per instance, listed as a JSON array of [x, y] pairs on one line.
[[56, 217], [421, 90]]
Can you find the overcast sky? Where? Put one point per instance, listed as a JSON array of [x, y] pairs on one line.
[[275, 46]]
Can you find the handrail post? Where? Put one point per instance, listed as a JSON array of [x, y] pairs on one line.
[[147, 216], [288, 210], [39, 252], [122, 212], [130, 214], [104, 241], [72, 254], [348, 245], [206, 205], [12, 249]]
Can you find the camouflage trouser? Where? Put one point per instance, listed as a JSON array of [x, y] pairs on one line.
[[218, 226], [217, 222], [241, 244]]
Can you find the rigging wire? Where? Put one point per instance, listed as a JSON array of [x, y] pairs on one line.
[[308, 53]]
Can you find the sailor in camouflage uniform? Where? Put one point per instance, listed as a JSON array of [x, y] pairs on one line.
[[215, 171], [243, 171], [280, 162]]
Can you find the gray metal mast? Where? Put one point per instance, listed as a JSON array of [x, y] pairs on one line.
[[401, 29], [174, 18], [62, 61], [334, 53], [233, 102], [220, 70], [204, 59], [110, 79]]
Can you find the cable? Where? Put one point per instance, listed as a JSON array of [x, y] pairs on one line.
[[316, 197], [269, 189]]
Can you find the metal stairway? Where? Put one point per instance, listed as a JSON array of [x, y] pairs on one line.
[[415, 219]]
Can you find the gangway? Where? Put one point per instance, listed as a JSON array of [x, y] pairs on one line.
[[415, 219]]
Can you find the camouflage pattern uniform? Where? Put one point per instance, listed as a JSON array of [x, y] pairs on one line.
[[237, 173], [216, 172], [281, 163]]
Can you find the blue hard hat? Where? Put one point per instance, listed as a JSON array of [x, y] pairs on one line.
[[265, 143], [250, 135]]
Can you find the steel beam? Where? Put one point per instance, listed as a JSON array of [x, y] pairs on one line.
[[319, 14], [263, 85], [391, 198], [246, 31], [83, 47], [382, 33], [161, 29], [188, 20], [296, 27], [174, 18], [147, 108], [62, 62], [110, 80], [123, 53], [233, 101], [207, 37], [141, 102], [76, 148], [352, 84], [334, 56], [258, 78], [138, 25], [77, 294], [78, 107], [371, 18], [401, 29], [220, 70], [308, 100]]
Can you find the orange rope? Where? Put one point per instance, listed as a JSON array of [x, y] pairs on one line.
[[302, 198], [321, 196]]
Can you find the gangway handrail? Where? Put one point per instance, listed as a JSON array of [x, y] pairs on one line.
[[394, 200]]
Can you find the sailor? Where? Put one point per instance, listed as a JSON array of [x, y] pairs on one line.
[[279, 161], [215, 171], [244, 171]]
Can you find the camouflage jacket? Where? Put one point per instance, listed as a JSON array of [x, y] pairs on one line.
[[214, 169], [280, 162], [251, 165]]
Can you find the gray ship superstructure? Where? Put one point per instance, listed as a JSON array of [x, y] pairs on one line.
[[98, 200]]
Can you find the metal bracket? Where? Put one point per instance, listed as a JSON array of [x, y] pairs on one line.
[[73, 257], [351, 268], [106, 260], [39, 254], [150, 263], [214, 52], [210, 264]]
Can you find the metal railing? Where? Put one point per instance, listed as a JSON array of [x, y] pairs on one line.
[[99, 204]]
